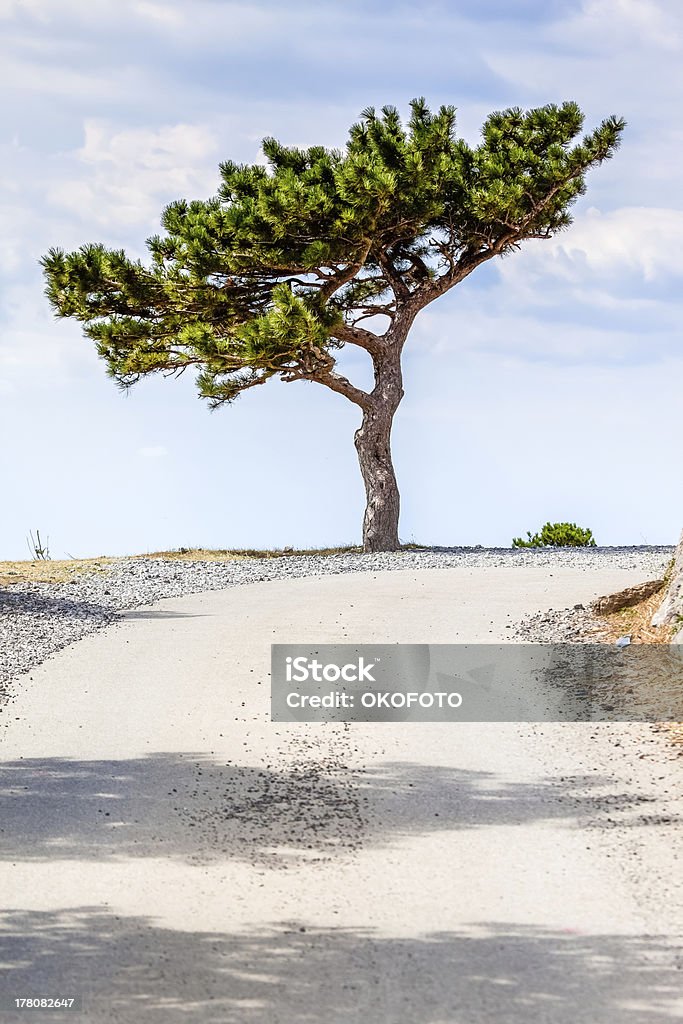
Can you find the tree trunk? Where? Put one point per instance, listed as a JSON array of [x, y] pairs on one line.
[[373, 444]]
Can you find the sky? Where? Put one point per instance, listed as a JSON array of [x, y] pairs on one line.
[[547, 386]]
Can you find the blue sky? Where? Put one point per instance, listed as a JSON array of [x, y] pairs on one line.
[[546, 386]]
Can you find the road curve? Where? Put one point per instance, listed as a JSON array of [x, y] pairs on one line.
[[170, 854]]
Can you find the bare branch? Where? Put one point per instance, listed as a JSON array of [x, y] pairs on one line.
[[304, 284], [416, 261], [388, 311], [400, 288], [334, 381], [372, 343], [342, 277]]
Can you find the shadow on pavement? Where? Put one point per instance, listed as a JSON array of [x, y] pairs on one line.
[[190, 808], [21, 602], [132, 971]]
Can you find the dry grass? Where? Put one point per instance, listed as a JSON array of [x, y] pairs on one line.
[[50, 571], [194, 555], [636, 622], [231, 554]]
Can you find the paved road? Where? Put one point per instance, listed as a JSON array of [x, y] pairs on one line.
[[172, 855]]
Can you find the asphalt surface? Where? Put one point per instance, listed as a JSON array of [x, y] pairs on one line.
[[171, 855]]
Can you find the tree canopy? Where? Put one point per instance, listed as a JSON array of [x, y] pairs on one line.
[[291, 259]]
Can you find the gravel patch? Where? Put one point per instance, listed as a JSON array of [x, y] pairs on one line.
[[569, 626], [37, 619]]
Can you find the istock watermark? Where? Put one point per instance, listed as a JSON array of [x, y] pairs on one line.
[[476, 683], [300, 670]]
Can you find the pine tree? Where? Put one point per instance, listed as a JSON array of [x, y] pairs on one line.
[[325, 248]]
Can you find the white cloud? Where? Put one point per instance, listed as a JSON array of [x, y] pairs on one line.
[[129, 174], [33, 343], [225, 24], [610, 260], [11, 8], [46, 79], [11, 249], [642, 239], [47, 11], [157, 451], [49, 354], [150, 149], [217, 24], [511, 329], [606, 22], [164, 14]]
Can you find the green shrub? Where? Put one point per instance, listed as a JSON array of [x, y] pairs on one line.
[[557, 535]]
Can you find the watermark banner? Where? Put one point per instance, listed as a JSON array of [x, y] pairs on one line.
[[476, 683]]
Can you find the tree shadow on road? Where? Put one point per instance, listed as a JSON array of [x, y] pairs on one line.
[[131, 970], [189, 807], [16, 603]]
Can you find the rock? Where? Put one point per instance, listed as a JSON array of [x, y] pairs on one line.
[[671, 607], [627, 598]]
